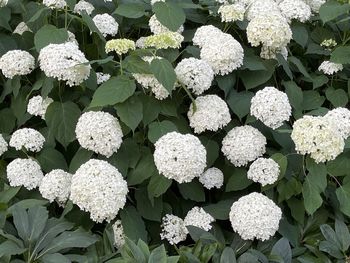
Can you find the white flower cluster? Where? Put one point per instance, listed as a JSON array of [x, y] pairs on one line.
[[213, 177], [106, 24], [231, 13], [271, 107], [164, 40], [156, 1], [209, 113], [16, 63], [59, 4], [222, 52], [98, 188], [157, 28], [181, 157], [295, 9], [3, 3], [82, 6], [24, 172], [341, 119], [99, 132], [21, 28], [120, 46], [315, 4], [196, 74], [37, 106], [255, 216], [199, 218], [102, 77], [264, 171], [64, 62], [55, 186], [27, 138], [118, 232], [259, 8], [317, 136], [173, 229], [330, 68], [3, 145], [243, 144]]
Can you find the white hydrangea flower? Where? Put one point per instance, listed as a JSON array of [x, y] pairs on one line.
[[317, 136], [341, 119], [173, 229], [157, 28], [156, 1], [3, 145], [315, 5], [53, 4], [37, 106], [255, 216], [295, 9], [271, 53], [330, 68], [196, 74], [27, 138], [205, 34], [99, 132], [224, 54], [83, 6], [181, 157], [243, 144], [24, 172], [264, 171], [120, 46], [271, 107], [71, 38], [259, 8], [16, 63], [231, 13], [99, 188], [213, 177], [199, 218], [55, 186], [164, 40], [211, 113], [3, 3], [270, 30], [329, 43], [64, 62], [140, 43], [150, 81], [102, 77], [118, 232], [222, 1], [106, 24], [21, 28]]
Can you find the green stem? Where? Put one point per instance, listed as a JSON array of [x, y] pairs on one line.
[[191, 97]]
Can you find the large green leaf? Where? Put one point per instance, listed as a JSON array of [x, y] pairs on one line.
[[49, 34], [228, 255], [343, 195], [147, 209], [158, 255], [130, 10], [341, 55], [130, 112], [164, 73], [144, 169], [282, 249], [332, 9], [158, 129], [313, 186], [51, 159], [158, 185], [134, 227], [169, 14], [239, 102], [9, 248], [192, 191]]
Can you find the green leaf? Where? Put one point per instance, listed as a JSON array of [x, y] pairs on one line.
[[158, 255], [7, 121], [7, 195], [252, 79], [228, 256], [282, 249], [158, 129], [340, 166], [164, 72], [5, 16], [338, 97], [226, 83], [300, 34], [61, 118], [343, 234], [49, 34], [294, 93], [239, 102], [135, 64], [332, 9], [158, 185], [80, 157], [314, 185], [130, 10], [343, 195], [146, 209], [90, 23], [115, 90], [238, 180], [197, 233], [51, 159], [136, 252], [169, 15], [341, 55], [37, 218], [220, 210], [134, 227], [312, 100], [330, 235], [144, 169], [300, 66], [55, 258], [21, 221], [192, 191], [151, 109], [130, 112], [9, 248]]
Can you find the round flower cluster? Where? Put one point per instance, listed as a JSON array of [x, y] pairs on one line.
[[55, 186], [330, 68], [30, 139], [196, 74], [118, 232], [98, 187], [106, 24], [99, 132], [264, 171], [199, 218], [3, 145], [329, 43], [295, 9], [271, 107], [21, 28], [213, 177], [59, 4], [271, 53], [16, 63], [3, 3], [315, 5], [243, 144], [120, 46], [180, 157], [341, 119], [82, 6], [231, 13], [173, 229], [157, 28], [255, 216], [208, 112], [270, 30], [102, 77], [24, 172], [317, 136], [164, 40], [204, 35], [259, 8], [37, 106], [64, 62]]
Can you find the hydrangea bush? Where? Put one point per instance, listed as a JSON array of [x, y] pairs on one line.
[[174, 131]]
